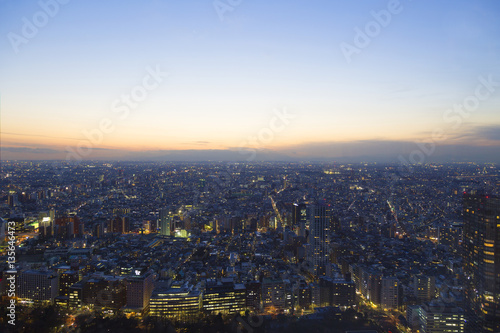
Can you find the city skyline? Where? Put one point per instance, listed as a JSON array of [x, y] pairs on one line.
[[282, 247], [250, 81]]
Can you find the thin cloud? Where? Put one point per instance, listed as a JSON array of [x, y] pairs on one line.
[[488, 132], [30, 150], [39, 136]]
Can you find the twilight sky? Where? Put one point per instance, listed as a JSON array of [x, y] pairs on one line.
[[294, 79]]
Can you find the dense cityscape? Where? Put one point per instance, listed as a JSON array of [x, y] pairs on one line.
[[233, 166], [249, 247]]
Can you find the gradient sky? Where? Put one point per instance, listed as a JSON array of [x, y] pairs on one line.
[[228, 77]]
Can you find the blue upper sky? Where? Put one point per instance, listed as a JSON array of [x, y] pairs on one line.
[[350, 72]]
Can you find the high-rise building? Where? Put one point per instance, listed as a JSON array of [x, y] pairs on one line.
[[120, 224], [438, 317], [3, 228], [424, 287], [66, 280], [304, 295], [254, 292], [450, 236], [139, 290], [337, 292], [373, 286], [300, 219], [104, 292], [46, 227], [98, 229], [299, 215], [12, 199], [413, 317], [224, 296], [164, 222], [390, 293], [76, 295], [273, 294], [37, 285], [368, 282], [68, 226], [176, 303], [481, 248], [319, 238], [334, 223]]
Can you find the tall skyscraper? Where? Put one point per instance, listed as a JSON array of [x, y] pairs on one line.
[[299, 213], [300, 219], [481, 245], [164, 222], [319, 238]]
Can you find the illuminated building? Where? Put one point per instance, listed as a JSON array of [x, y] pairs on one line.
[[390, 293], [413, 317], [299, 219], [481, 247], [98, 230], [18, 220], [273, 294], [224, 296], [340, 293], [164, 221], [438, 317], [334, 223], [424, 287], [370, 285], [12, 199], [178, 303], [139, 290], [46, 227], [450, 236], [253, 297], [120, 225], [3, 228], [68, 226], [105, 292], [37, 285], [319, 241], [66, 280], [304, 296], [62, 301], [76, 295]]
